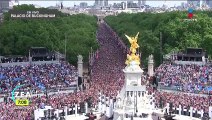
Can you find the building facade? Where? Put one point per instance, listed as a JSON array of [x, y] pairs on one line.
[[105, 3], [131, 4], [194, 3], [101, 3], [141, 2], [83, 5], [124, 5], [4, 5], [96, 2], [208, 3]]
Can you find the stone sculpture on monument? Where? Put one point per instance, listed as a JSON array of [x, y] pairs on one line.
[[134, 45]]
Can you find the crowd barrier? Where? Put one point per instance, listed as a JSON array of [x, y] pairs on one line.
[[76, 111], [53, 89], [178, 89], [42, 93], [28, 63], [174, 88], [72, 110], [191, 112], [106, 106], [189, 62]]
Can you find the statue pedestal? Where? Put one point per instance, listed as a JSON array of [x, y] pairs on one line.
[[133, 75], [132, 89]]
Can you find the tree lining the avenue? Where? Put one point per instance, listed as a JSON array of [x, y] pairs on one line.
[[17, 36], [177, 31]]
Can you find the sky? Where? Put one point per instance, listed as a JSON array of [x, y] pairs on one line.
[[71, 3]]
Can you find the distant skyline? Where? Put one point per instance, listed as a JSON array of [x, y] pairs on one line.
[[71, 3]]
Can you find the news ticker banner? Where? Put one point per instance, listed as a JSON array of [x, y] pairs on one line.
[[33, 14]]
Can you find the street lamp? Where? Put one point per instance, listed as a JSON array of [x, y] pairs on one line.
[[136, 101]]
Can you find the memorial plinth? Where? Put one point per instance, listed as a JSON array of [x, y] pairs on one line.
[[133, 74], [132, 93]]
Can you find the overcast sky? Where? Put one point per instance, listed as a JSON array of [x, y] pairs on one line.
[[70, 3]]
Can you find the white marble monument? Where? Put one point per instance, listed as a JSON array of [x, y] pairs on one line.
[[129, 98]]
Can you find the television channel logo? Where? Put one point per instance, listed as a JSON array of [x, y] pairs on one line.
[[190, 13]]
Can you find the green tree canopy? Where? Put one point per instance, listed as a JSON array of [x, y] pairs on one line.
[[17, 36], [177, 34]]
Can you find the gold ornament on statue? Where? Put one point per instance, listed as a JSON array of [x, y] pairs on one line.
[[134, 45]]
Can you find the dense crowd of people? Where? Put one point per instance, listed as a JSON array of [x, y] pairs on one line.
[[191, 78], [106, 77], [37, 77], [44, 76]]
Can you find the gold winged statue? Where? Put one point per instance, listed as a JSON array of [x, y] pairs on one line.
[[134, 45], [133, 41]]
